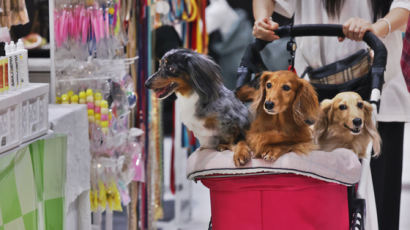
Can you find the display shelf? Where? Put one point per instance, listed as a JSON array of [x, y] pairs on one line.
[[23, 115]]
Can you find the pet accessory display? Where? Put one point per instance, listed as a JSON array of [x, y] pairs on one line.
[[116, 151], [91, 66], [94, 26]]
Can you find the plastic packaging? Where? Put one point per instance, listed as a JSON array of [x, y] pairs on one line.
[[134, 148]]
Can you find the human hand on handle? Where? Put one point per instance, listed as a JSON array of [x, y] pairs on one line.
[[355, 28], [264, 29]]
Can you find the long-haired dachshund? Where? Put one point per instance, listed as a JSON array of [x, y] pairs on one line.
[[346, 122], [282, 107], [211, 111]]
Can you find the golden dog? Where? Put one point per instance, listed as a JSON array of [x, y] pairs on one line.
[[346, 122]]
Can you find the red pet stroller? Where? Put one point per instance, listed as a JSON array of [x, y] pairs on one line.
[[295, 192]]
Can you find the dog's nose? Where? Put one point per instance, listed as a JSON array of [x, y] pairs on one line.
[[148, 83], [357, 122], [269, 105]]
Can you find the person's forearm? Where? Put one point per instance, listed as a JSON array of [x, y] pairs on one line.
[[397, 18], [263, 9]]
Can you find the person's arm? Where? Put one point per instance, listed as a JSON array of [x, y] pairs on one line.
[[264, 26], [354, 28], [397, 18]]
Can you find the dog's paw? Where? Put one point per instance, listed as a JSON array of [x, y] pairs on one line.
[[223, 147], [269, 156], [202, 148], [241, 156]]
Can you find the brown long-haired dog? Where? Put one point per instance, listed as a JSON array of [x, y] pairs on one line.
[[346, 122], [282, 107]]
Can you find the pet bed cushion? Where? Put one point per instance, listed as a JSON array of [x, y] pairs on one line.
[[339, 166]]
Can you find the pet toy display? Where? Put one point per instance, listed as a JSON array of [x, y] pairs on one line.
[[111, 175], [117, 154], [96, 43], [211, 111], [346, 122], [92, 27], [91, 68], [283, 106]]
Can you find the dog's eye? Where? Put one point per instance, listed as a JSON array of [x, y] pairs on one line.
[[342, 107], [269, 85], [360, 105], [286, 87], [171, 69]]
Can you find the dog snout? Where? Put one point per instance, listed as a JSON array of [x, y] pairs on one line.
[[357, 122], [269, 105], [148, 82]]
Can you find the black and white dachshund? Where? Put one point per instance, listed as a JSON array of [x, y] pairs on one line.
[[217, 118]]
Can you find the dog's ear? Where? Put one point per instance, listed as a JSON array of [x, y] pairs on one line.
[[322, 123], [305, 105], [205, 76], [369, 126], [246, 93], [259, 95], [326, 108]]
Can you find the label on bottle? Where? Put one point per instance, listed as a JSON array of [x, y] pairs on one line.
[[6, 73], [17, 70], [2, 88], [22, 70], [12, 80]]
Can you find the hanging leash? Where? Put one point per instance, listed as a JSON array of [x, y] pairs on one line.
[[291, 48]]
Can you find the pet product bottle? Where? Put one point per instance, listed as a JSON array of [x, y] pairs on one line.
[[22, 57], [3, 75], [11, 68], [2, 88], [5, 67], [14, 57]]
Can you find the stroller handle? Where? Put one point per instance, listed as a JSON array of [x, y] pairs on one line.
[[252, 62]]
